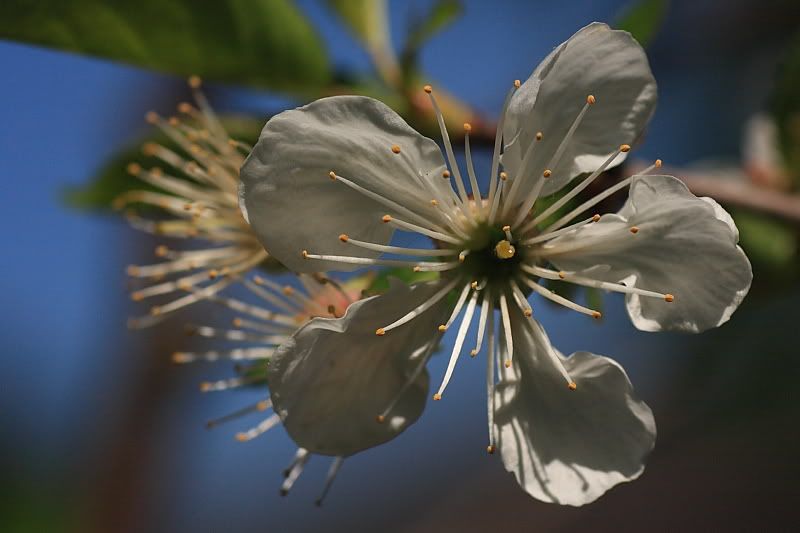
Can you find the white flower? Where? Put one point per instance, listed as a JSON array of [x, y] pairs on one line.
[[198, 204], [568, 427], [262, 327]]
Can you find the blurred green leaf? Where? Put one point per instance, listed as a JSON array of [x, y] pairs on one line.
[[766, 241], [441, 15], [643, 19], [786, 109], [113, 179], [266, 43], [381, 282], [369, 21]]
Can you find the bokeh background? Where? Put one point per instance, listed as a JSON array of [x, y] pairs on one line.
[[100, 432]]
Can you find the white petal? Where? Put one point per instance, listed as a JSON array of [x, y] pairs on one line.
[[293, 205], [608, 64], [332, 379], [563, 446], [685, 246]]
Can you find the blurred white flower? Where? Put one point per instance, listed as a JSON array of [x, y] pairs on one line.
[[197, 202], [569, 428]]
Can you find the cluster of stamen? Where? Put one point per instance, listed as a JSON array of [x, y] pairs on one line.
[[199, 196], [476, 234]]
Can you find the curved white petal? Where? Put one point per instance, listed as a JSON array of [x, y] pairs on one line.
[[684, 246], [332, 379], [293, 205], [608, 64], [564, 446]]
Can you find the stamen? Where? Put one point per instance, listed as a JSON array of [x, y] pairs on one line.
[[260, 429], [457, 309], [519, 297], [507, 231], [550, 295], [451, 158], [258, 407], [424, 252], [574, 192], [333, 471], [506, 319], [388, 219], [490, 379], [485, 305], [385, 201], [498, 139], [226, 384], [422, 266], [300, 460], [473, 180], [424, 306], [553, 234], [462, 334], [519, 178], [589, 203], [238, 354]]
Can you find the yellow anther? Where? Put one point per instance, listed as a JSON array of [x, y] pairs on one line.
[[180, 357], [262, 405], [195, 82], [539, 135], [669, 298], [428, 89], [474, 284], [658, 163], [343, 237], [597, 314], [506, 228], [395, 149], [241, 437], [595, 217], [287, 290], [528, 312], [490, 449], [473, 353], [591, 99], [185, 108], [237, 322], [380, 419], [149, 149], [386, 218], [504, 250], [133, 169], [213, 273], [442, 327], [185, 286], [205, 386], [634, 229], [446, 174], [161, 250], [258, 280], [305, 254], [625, 148], [547, 173], [173, 121], [562, 274], [434, 203], [437, 396], [137, 296], [417, 268], [151, 117], [572, 385], [517, 84], [380, 332], [503, 176], [467, 127], [507, 364], [332, 175]]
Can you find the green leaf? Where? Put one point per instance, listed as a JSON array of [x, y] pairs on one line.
[[441, 15], [766, 241], [265, 43], [113, 179], [785, 107], [643, 19], [381, 282], [369, 21]]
